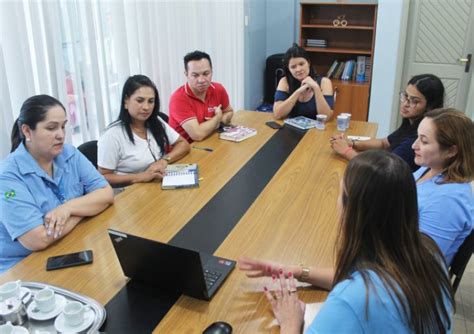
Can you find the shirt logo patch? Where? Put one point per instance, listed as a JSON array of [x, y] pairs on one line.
[[9, 194]]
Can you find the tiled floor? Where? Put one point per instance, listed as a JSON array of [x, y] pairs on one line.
[[464, 317]]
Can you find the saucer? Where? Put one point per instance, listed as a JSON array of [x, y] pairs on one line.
[[61, 326], [16, 329], [19, 330], [38, 315]]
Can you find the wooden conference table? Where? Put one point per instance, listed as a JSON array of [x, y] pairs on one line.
[[293, 220]]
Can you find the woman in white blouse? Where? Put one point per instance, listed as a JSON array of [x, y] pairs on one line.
[[138, 146]]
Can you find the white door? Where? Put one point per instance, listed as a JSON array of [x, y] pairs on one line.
[[440, 37]]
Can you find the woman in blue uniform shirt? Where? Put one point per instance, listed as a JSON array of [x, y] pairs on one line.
[[301, 92], [388, 277], [445, 151], [46, 186]]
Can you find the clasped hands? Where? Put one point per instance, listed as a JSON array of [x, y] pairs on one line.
[[340, 144], [55, 220], [282, 294], [307, 84]]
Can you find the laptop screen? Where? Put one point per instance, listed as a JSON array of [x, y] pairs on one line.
[[158, 264]]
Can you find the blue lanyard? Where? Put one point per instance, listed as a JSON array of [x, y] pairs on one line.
[[57, 190]]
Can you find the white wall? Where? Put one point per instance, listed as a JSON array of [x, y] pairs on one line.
[[255, 12], [270, 29], [392, 20], [281, 19]]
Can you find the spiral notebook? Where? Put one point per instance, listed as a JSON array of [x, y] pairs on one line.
[[181, 176]]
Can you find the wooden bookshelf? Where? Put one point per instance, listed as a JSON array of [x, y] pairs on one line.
[[344, 43]]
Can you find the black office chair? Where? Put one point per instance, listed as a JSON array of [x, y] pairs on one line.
[[163, 116], [89, 149], [460, 260]]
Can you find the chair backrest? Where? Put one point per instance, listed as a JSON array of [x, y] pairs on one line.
[[89, 149], [163, 116], [461, 259]]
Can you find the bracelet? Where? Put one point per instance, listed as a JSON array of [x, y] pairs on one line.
[[347, 150], [304, 273]]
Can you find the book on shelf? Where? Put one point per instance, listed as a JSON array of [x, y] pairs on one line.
[[368, 69], [354, 72], [348, 68], [301, 122], [237, 133], [317, 43], [360, 75], [332, 68], [339, 70], [181, 176]]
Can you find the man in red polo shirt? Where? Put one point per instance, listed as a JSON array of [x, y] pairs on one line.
[[199, 107]]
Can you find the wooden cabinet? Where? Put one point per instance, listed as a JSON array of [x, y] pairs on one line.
[[343, 43]]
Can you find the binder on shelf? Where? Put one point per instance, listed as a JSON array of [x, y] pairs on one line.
[[181, 176], [237, 133], [360, 75]]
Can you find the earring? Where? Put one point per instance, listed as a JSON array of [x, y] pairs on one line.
[[28, 139]]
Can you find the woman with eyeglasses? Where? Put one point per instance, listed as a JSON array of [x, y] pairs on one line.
[[46, 185], [138, 146], [423, 93]]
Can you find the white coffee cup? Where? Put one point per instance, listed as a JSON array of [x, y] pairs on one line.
[[342, 123], [348, 118], [321, 121], [7, 328], [10, 289], [74, 313], [45, 300]]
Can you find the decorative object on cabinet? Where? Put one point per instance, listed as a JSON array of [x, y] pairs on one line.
[[340, 39]]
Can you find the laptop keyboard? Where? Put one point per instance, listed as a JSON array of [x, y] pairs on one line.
[[211, 277]]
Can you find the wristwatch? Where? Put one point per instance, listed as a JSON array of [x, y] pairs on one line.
[[166, 158]]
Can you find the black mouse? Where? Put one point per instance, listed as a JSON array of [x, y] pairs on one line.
[[219, 327]]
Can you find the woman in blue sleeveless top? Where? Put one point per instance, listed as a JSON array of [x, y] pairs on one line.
[[301, 92]]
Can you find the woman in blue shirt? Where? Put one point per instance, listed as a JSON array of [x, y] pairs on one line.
[[46, 186], [445, 150], [424, 92], [301, 92], [388, 276]]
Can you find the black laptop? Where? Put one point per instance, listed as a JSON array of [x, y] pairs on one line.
[[169, 267]]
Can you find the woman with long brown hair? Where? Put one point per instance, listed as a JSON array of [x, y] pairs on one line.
[[387, 277], [445, 150]]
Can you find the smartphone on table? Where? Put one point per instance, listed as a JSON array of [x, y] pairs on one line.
[[69, 260], [274, 125]]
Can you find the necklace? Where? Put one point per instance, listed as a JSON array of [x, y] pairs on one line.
[[141, 131]]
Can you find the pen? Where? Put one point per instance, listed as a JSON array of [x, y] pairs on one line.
[[203, 148]]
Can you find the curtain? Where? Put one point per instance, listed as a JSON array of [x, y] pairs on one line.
[[81, 52]]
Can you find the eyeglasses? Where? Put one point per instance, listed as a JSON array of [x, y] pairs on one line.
[[412, 101]]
